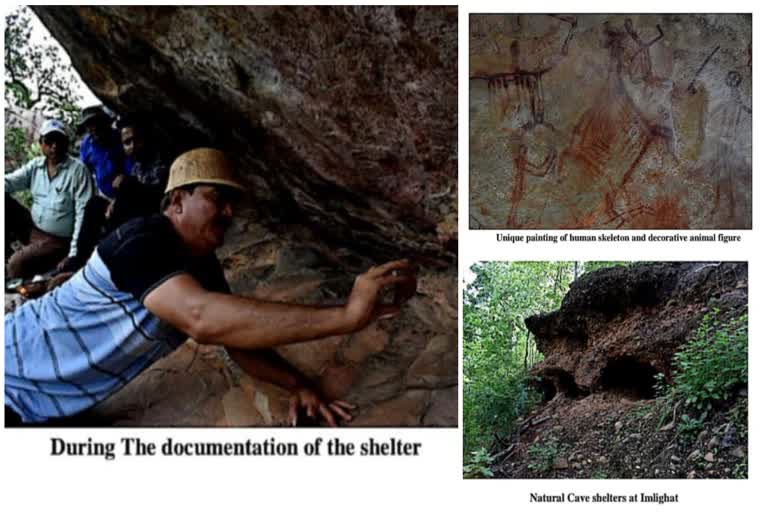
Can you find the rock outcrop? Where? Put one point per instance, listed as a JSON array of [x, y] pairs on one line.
[[343, 122], [618, 327], [616, 330]]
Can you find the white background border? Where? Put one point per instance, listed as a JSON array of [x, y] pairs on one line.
[[32, 480]]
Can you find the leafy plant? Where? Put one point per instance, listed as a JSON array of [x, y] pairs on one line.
[[740, 471], [660, 386], [542, 456], [712, 363], [478, 465], [640, 411], [689, 427], [17, 152]]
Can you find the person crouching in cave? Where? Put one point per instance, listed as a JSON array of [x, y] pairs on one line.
[[138, 192], [141, 187], [152, 283]]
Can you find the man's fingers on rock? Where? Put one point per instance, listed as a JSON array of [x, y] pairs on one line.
[[327, 415], [388, 267], [340, 412], [345, 404]]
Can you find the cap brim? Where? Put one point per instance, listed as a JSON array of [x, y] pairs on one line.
[[225, 183], [43, 134]]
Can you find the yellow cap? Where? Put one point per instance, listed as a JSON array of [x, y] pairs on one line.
[[202, 165]]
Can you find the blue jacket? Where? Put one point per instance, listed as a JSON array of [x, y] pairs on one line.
[[104, 162]]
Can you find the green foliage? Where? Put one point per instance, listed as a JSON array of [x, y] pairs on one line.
[[18, 150], [36, 75], [541, 456], [712, 363], [689, 428], [639, 412], [740, 471], [478, 465], [665, 403], [591, 266], [498, 349], [496, 343], [37, 78], [599, 475]]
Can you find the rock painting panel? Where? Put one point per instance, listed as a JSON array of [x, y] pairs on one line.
[[610, 121]]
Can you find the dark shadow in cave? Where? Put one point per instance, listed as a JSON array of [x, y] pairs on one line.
[[628, 377], [554, 381]]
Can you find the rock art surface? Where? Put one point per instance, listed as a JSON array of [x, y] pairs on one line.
[[616, 330], [610, 121], [343, 123]]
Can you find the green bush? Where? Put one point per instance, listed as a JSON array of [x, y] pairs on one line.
[[689, 428], [712, 363], [494, 401], [478, 465], [498, 349], [17, 153], [17, 150]]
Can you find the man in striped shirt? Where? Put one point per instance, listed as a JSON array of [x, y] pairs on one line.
[[151, 284]]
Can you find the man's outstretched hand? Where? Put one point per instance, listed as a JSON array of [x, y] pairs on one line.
[[308, 402], [362, 306]]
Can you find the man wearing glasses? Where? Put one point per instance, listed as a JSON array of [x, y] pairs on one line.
[[154, 282], [60, 187]]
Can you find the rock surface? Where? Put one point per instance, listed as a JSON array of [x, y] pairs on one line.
[[398, 372], [611, 121], [342, 121], [618, 327], [340, 118]]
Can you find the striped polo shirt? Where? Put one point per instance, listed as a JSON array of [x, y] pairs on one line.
[[78, 344]]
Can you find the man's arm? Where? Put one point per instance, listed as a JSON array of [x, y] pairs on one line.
[[244, 323], [20, 179], [83, 191], [268, 366]]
